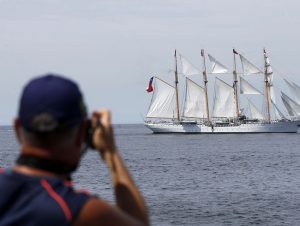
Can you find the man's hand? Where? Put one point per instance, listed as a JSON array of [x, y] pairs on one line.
[[103, 137]]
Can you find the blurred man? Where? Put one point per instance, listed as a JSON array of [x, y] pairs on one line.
[[54, 131]]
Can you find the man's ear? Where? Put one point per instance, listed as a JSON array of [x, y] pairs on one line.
[[17, 128]]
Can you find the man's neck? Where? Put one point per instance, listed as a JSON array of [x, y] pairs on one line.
[[27, 170], [39, 166]]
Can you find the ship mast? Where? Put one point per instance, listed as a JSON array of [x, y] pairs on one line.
[[235, 81], [176, 87], [267, 87], [205, 85]]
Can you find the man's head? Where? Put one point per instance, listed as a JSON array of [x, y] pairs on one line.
[[51, 116]]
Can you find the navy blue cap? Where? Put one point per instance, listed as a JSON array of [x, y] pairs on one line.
[[50, 103]]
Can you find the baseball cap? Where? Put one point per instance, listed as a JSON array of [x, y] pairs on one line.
[[51, 103]]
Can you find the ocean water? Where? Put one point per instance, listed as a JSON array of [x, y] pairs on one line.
[[237, 179]]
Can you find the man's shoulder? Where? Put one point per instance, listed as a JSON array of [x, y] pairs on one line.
[[99, 212]]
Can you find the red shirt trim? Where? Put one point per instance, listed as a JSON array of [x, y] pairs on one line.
[[58, 199]]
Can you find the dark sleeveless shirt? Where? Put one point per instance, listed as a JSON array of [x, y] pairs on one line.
[[38, 201]]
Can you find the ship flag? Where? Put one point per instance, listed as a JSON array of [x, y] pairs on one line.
[[202, 52], [150, 87]]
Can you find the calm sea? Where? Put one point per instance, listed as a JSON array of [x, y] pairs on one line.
[[199, 179]]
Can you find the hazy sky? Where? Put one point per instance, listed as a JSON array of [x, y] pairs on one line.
[[112, 47]]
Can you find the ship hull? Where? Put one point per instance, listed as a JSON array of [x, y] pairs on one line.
[[276, 127]]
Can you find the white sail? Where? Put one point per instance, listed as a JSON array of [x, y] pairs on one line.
[[269, 69], [288, 107], [194, 104], [278, 113], [297, 87], [163, 102], [292, 107], [272, 94], [255, 113], [295, 90], [247, 88], [216, 66], [224, 100], [188, 68], [248, 67]]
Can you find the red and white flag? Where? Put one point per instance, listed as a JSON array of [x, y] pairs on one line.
[[150, 88]]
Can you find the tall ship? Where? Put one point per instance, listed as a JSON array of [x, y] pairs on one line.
[[165, 115]]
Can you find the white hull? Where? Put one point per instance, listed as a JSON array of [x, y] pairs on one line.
[[274, 127], [296, 120]]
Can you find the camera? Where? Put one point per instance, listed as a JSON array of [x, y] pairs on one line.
[[90, 130], [89, 135]]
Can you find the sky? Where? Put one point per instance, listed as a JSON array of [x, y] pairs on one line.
[[112, 48]]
